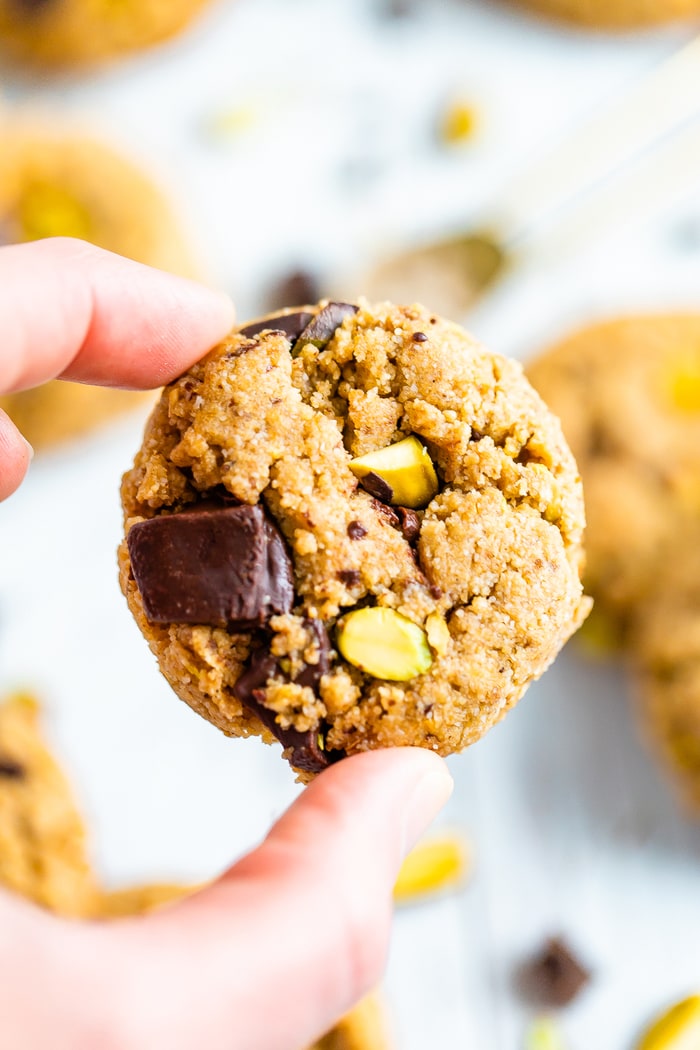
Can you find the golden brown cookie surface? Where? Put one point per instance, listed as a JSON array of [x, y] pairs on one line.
[[80, 32], [397, 624], [616, 14], [59, 183]]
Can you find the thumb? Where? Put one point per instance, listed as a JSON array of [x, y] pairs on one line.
[[297, 931]]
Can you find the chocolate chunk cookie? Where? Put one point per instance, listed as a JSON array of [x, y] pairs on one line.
[[81, 32], [352, 527], [616, 14], [57, 183], [628, 395]]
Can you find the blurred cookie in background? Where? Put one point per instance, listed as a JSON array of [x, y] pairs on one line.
[[666, 651], [628, 396], [81, 32], [43, 844], [616, 14], [60, 182]]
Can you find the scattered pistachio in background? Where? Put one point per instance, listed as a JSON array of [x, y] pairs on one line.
[[677, 1029], [437, 865], [544, 1034], [458, 123]]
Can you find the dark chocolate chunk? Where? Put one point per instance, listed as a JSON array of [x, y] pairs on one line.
[[313, 673], [402, 518], [377, 487], [324, 325], [308, 752], [291, 324], [356, 530], [554, 977], [420, 337], [299, 287], [387, 513], [226, 566], [11, 770], [350, 577], [409, 523]]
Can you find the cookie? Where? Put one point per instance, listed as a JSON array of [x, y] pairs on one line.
[[55, 183], [350, 528], [43, 848], [616, 14], [628, 395], [81, 32], [364, 1028], [43, 843], [665, 646]]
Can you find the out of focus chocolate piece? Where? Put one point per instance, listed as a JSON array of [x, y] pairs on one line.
[[299, 287], [11, 770], [291, 324], [226, 567], [324, 325], [554, 977]]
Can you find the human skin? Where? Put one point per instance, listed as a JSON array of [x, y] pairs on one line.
[[272, 953]]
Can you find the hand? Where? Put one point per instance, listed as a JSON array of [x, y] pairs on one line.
[[269, 956]]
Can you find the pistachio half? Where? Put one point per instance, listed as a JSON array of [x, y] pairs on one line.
[[402, 474], [383, 643]]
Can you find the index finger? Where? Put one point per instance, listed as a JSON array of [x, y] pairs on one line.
[[70, 310]]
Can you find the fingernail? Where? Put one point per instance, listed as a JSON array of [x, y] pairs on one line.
[[426, 800], [30, 449]]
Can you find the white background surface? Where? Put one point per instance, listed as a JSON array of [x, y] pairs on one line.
[[573, 829]]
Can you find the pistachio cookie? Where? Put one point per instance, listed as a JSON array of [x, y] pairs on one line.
[[43, 845], [79, 32], [666, 657], [628, 395], [616, 14], [55, 183], [353, 527]]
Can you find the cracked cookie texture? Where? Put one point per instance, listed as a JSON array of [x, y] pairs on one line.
[[469, 593]]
